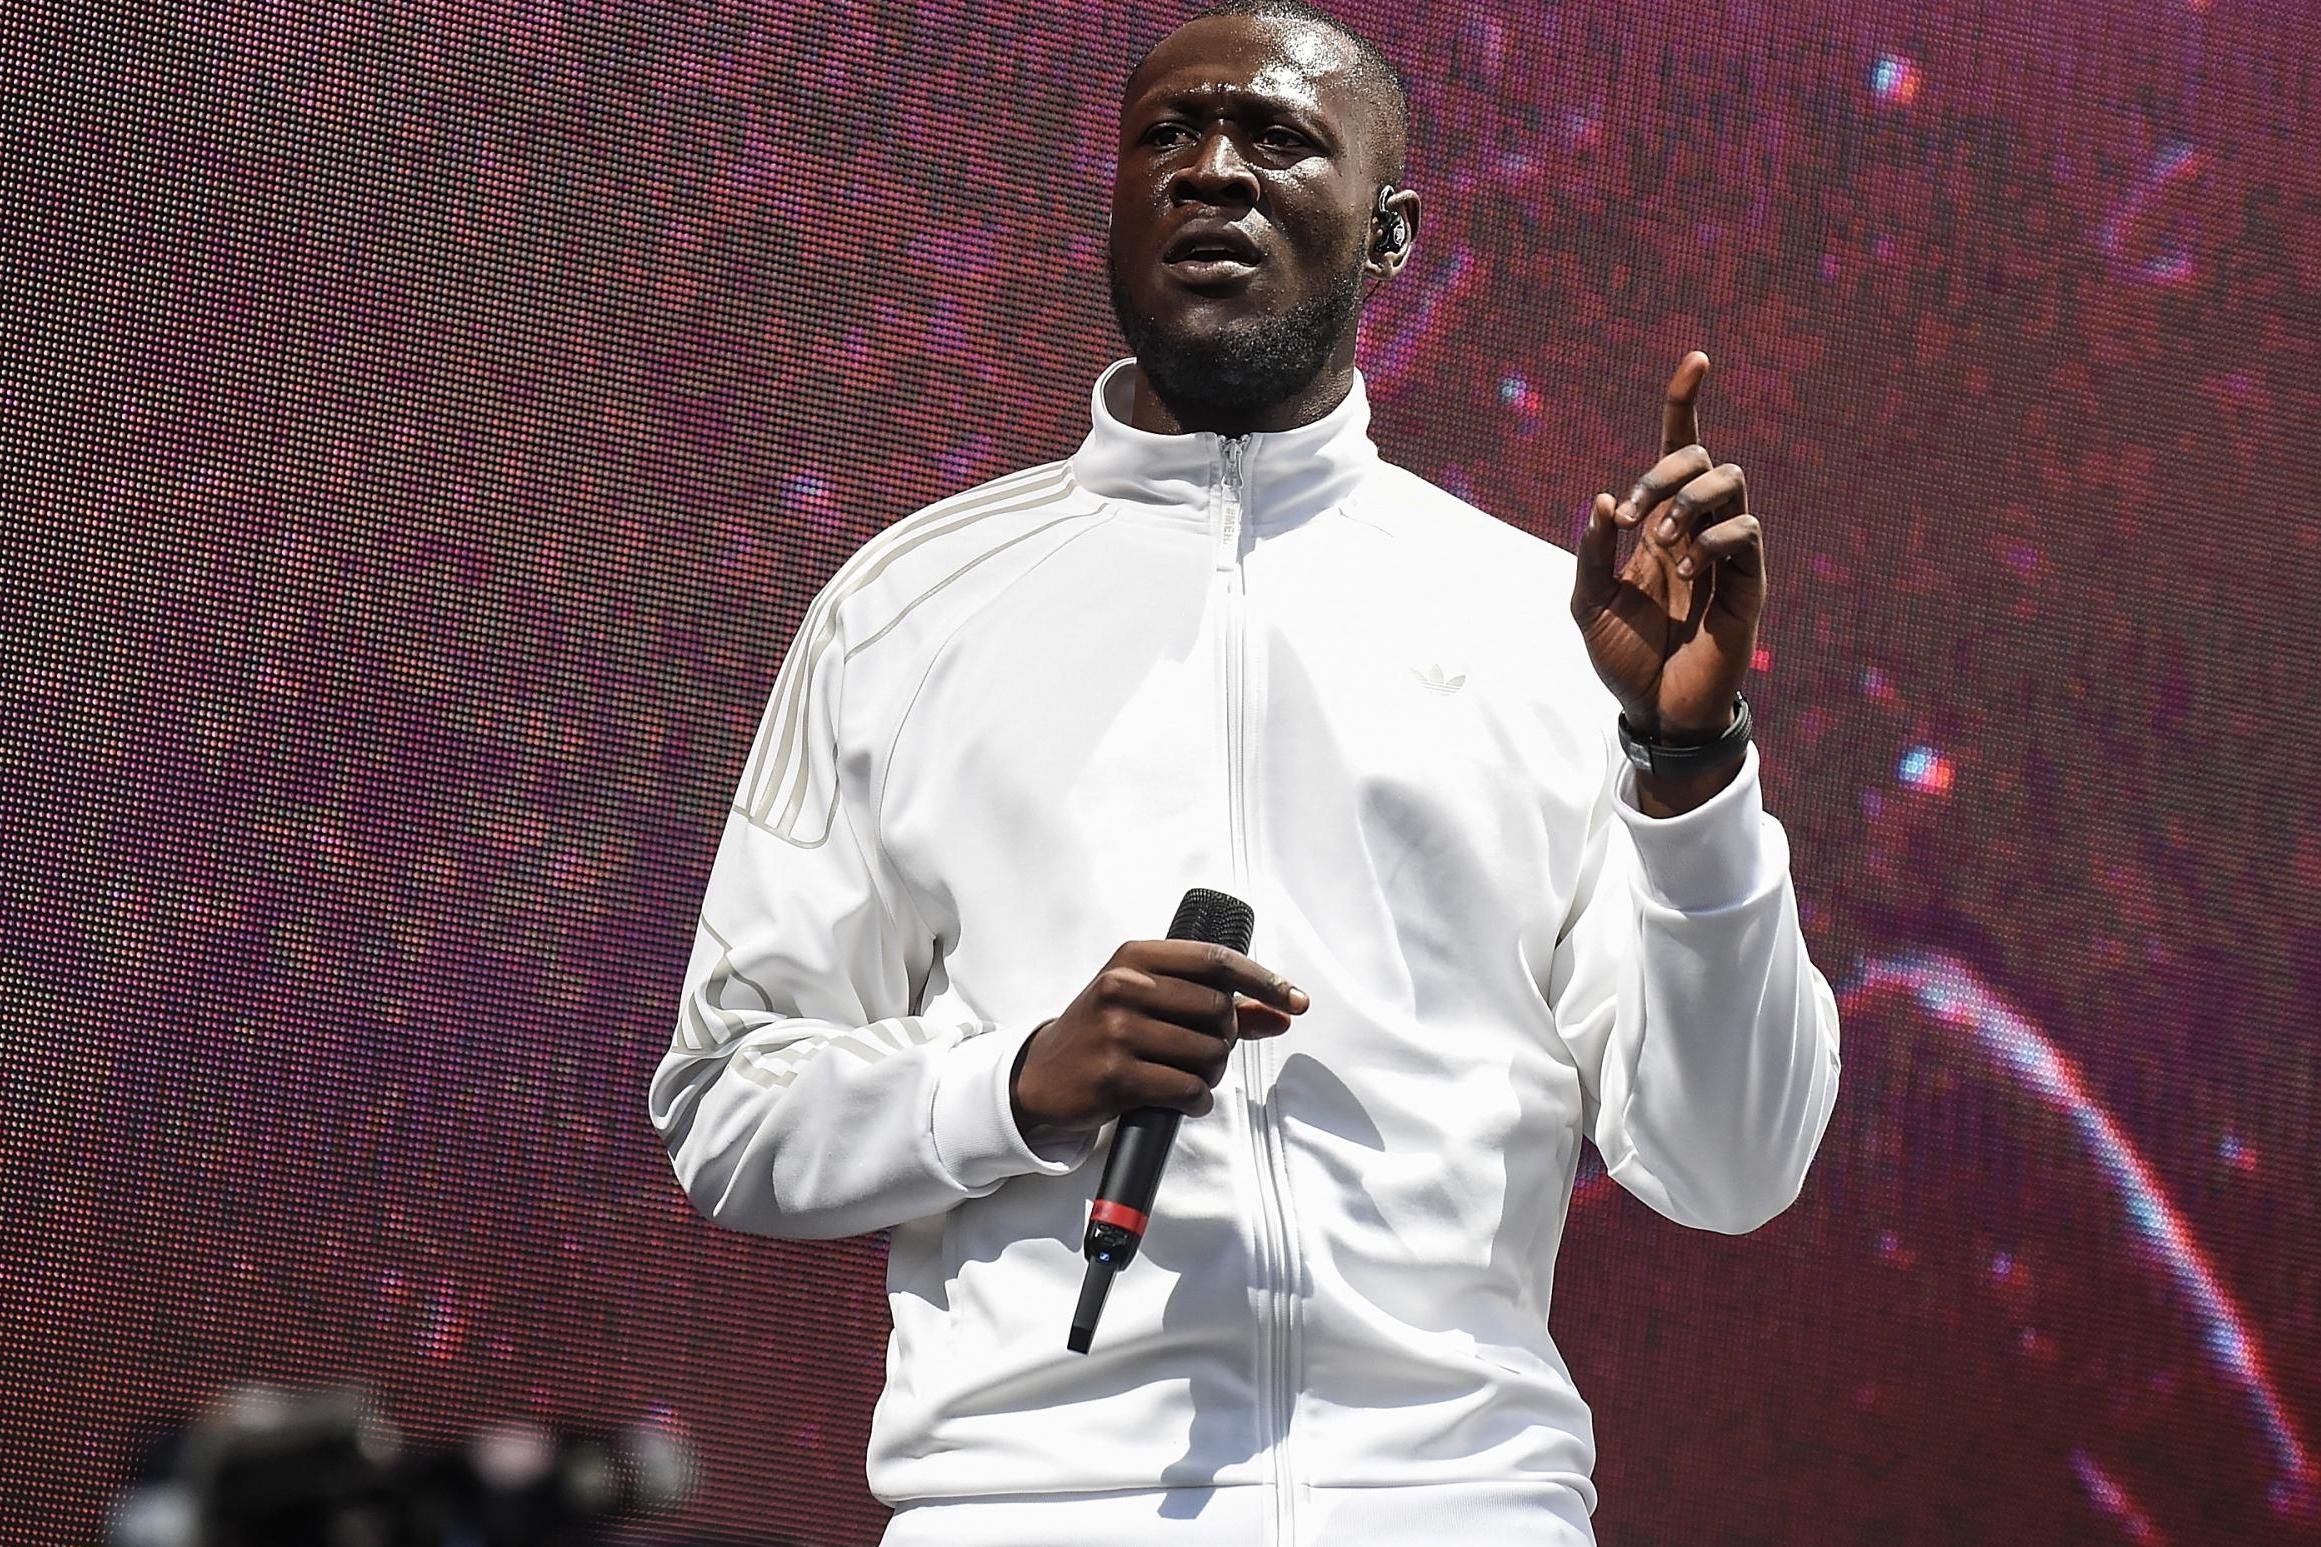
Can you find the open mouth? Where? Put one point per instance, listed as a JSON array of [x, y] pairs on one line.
[[1211, 254], [1210, 269]]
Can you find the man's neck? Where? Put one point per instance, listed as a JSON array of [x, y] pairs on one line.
[[1326, 391]]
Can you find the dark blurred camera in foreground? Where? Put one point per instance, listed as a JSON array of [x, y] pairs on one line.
[[268, 1468]]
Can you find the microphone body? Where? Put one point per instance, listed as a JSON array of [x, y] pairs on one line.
[[1142, 1137]]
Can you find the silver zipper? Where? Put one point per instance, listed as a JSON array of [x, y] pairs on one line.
[[1230, 452], [1274, 1268]]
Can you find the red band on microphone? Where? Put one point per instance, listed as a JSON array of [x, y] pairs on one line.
[[1105, 1212]]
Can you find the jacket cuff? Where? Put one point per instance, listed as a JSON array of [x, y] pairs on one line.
[[1707, 858], [976, 1139]]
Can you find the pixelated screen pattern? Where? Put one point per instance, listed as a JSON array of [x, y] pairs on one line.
[[445, 411]]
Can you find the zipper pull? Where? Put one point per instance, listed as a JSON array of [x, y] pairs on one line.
[[1230, 451]]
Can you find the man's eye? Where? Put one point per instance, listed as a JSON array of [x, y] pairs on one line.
[[1275, 138]]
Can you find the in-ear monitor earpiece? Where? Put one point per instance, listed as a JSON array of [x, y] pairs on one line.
[[1397, 231]]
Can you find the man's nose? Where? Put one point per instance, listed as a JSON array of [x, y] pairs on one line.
[[1216, 173]]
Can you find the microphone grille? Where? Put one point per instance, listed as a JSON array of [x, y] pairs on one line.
[[1217, 917]]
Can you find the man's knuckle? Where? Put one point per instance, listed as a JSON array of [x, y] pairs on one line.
[[1116, 1077]]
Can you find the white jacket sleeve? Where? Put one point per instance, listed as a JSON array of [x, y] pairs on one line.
[[801, 1094], [1707, 1043]]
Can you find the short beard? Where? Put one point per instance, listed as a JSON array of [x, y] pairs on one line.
[[1233, 378]]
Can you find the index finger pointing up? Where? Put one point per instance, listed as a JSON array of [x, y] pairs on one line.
[[1679, 419]]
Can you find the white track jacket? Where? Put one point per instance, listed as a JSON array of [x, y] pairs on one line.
[[1010, 732]]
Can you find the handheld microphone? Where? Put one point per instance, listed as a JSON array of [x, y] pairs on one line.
[[1141, 1139]]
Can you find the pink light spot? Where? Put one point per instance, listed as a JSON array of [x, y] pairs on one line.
[[1895, 79], [1926, 770]]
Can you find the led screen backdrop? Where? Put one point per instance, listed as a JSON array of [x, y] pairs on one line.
[[443, 412]]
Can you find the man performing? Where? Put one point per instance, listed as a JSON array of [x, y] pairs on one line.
[[1224, 644]]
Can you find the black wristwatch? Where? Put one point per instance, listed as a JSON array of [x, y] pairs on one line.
[[1668, 758]]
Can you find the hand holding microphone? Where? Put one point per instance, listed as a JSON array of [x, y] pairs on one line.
[[1153, 1028], [1146, 1041]]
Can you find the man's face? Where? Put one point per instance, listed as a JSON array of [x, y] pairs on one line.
[[1241, 212]]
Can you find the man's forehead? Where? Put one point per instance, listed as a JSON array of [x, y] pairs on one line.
[[1233, 61]]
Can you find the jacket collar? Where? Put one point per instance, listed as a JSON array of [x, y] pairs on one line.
[[1287, 476]]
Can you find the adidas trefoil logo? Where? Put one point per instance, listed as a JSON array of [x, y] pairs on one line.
[[1433, 677]]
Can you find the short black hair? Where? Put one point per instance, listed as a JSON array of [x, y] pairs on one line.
[[1371, 66]]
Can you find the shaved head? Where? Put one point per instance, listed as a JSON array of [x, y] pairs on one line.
[[1367, 66]]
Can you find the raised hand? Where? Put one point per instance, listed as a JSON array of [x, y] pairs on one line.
[[1672, 631]]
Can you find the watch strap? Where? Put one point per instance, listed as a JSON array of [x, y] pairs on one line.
[[1677, 758]]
